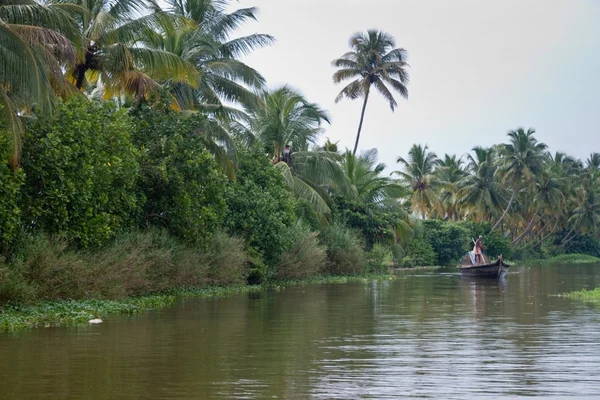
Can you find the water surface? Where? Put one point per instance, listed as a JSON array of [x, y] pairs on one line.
[[424, 335]]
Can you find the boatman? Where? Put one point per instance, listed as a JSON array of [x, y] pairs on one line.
[[478, 250]]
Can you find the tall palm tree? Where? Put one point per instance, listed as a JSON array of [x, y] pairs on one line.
[[36, 42], [520, 160], [418, 173], [112, 57], [479, 191], [373, 60]]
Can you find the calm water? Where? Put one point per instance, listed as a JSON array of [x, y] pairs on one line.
[[424, 335]]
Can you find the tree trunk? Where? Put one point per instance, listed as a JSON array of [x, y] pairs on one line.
[[510, 202], [362, 117], [544, 238], [80, 76], [541, 230], [565, 241], [526, 231]]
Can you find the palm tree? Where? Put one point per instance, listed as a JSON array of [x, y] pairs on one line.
[[374, 191], [593, 162], [479, 191], [373, 60], [365, 175], [547, 198], [449, 172], [112, 57], [520, 160], [586, 216], [287, 118], [418, 173], [36, 42], [207, 45]]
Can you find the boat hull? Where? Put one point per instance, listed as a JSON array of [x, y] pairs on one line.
[[492, 270]]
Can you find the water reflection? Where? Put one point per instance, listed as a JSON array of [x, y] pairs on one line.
[[422, 335]]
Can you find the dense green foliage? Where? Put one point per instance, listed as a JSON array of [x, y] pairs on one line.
[[260, 208], [180, 182], [10, 186], [81, 171]]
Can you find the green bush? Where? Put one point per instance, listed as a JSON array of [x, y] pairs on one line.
[[449, 240], [375, 224], [260, 209], [419, 252], [345, 250], [81, 171], [306, 256], [11, 182], [379, 259], [180, 180], [582, 244]]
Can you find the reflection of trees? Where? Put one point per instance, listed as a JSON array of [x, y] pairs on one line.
[[416, 332]]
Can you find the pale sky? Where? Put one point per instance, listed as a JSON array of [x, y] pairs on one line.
[[478, 69]]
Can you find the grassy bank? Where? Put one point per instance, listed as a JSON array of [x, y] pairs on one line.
[[74, 312], [564, 258]]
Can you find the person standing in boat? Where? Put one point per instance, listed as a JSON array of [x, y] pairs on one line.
[[478, 250]]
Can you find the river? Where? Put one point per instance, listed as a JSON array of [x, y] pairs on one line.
[[422, 335]]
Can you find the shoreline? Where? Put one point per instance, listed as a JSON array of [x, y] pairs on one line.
[[61, 313], [562, 258]]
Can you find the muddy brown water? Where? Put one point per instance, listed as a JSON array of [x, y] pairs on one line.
[[423, 335]]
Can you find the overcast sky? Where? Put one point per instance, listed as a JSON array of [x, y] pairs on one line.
[[478, 68]]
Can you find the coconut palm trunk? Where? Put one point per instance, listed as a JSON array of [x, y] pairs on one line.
[[510, 202], [362, 117], [518, 240]]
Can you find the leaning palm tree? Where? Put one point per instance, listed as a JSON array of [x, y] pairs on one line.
[[373, 60], [586, 216], [36, 43], [520, 160], [418, 173], [546, 198]]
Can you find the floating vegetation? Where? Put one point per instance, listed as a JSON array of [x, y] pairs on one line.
[[588, 295]]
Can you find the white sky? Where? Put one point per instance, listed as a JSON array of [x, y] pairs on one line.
[[479, 68]]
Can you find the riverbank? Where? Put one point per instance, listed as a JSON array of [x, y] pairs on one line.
[[74, 312], [563, 258]]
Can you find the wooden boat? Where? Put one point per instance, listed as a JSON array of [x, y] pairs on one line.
[[487, 269]]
